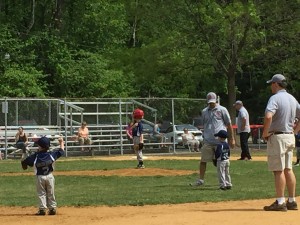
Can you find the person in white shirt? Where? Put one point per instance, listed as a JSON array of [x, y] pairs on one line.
[[243, 129], [190, 139]]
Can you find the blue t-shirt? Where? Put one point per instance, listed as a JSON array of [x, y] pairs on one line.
[[138, 130], [222, 151], [43, 161]]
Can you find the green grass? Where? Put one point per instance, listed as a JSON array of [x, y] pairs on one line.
[[251, 180]]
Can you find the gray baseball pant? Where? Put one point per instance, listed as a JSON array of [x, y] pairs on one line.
[[45, 191], [223, 173]]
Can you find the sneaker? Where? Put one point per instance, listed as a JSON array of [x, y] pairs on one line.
[[296, 164], [140, 166], [228, 187], [292, 205], [276, 207], [41, 212], [197, 183], [52, 212], [241, 159], [223, 188]]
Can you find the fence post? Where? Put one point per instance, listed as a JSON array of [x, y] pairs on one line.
[[173, 124], [5, 111], [120, 123], [66, 134]]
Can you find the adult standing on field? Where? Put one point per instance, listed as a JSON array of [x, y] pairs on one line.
[[243, 129], [215, 118], [280, 114]]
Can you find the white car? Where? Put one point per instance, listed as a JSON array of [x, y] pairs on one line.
[[175, 131]]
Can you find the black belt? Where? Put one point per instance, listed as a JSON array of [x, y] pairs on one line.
[[278, 132]]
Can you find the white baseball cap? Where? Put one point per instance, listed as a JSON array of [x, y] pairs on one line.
[[238, 102], [211, 97], [277, 78]]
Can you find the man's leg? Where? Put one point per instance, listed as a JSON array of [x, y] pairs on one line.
[[197, 146], [290, 182], [192, 145], [280, 183], [247, 151], [202, 170], [243, 140], [81, 142]]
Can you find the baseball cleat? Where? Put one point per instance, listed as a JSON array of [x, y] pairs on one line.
[[197, 183], [41, 212], [52, 212]]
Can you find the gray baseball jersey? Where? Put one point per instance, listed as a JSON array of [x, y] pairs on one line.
[[243, 113], [214, 120], [285, 109]]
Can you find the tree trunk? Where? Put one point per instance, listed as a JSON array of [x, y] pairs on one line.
[[231, 92]]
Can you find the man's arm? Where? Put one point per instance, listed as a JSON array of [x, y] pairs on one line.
[[297, 127], [231, 139], [244, 120], [267, 123]]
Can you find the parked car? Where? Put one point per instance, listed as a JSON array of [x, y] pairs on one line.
[[178, 131], [147, 128]]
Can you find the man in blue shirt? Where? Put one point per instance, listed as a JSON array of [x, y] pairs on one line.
[[215, 118]]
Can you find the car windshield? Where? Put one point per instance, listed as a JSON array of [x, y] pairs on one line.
[[188, 126], [147, 128]]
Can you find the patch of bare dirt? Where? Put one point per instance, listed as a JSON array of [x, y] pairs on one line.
[[225, 213], [119, 172]]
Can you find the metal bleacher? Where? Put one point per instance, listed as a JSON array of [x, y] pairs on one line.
[[108, 136], [107, 122]]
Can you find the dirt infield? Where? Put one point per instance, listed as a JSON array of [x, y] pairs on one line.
[[231, 212]]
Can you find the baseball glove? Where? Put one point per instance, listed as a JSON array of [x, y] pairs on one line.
[[141, 146], [215, 162], [24, 165]]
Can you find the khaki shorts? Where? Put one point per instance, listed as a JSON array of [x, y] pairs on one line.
[[280, 151], [208, 153]]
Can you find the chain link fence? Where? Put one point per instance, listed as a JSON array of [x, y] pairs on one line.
[[66, 115]]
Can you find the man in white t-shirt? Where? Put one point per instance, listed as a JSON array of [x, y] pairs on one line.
[[190, 139], [243, 129]]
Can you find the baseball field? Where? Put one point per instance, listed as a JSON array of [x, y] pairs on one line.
[[109, 190]]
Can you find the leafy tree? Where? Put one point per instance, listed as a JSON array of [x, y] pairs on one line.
[[90, 76], [18, 82]]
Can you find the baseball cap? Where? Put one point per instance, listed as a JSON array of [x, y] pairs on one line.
[[222, 134], [211, 97], [238, 102], [44, 142], [277, 78]]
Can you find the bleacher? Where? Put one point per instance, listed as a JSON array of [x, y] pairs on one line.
[[106, 139], [8, 133]]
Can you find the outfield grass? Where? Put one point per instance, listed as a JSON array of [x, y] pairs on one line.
[[251, 180]]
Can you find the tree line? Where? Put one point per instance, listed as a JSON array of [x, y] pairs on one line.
[[157, 48]]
